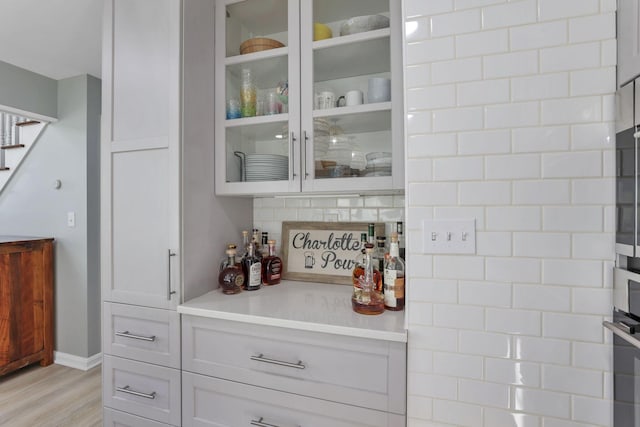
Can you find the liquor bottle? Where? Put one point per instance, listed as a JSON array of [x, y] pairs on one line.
[[394, 277], [256, 243], [371, 233], [378, 256], [231, 276], [359, 270], [271, 266], [245, 244], [366, 298], [400, 231], [264, 245], [252, 268]]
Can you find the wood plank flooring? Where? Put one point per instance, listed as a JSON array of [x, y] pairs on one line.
[[51, 396]]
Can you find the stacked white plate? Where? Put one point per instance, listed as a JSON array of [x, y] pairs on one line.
[[266, 167]]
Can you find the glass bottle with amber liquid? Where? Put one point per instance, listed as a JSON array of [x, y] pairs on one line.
[[394, 277], [359, 269], [271, 266], [231, 276], [252, 268], [366, 298]]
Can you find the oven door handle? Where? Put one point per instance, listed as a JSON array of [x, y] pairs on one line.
[[622, 330]]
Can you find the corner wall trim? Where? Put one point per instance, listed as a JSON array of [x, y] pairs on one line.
[[77, 362]]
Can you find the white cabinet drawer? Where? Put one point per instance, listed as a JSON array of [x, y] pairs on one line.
[[212, 401], [356, 371], [140, 333], [142, 389], [113, 418]]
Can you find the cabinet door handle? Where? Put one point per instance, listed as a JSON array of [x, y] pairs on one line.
[[260, 423], [128, 390], [306, 139], [261, 358], [169, 291], [127, 334], [292, 139]]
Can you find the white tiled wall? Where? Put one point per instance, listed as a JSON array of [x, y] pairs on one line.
[[269, 213], [510, 110]]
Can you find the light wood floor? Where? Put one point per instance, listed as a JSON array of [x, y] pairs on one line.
[[51, 396]]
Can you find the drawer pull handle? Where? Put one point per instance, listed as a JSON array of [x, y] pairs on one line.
[[127, 389], [127, 334], [261, 358], [261, 423]]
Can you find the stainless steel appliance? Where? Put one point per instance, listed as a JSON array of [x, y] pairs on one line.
[[627, 124], [626, 348]]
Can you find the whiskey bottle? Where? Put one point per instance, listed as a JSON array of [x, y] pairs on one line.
[[252, 268], [366, 298], [231, 276], [400, 231], [271, 266], [394, 277], [359, 270], [378, 255]]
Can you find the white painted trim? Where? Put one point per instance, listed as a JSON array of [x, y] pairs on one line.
[[28, 114], [77, 362]]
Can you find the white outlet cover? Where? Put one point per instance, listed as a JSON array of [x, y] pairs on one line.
[[449, 236]]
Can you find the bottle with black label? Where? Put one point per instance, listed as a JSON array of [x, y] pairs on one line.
[[252, 268]]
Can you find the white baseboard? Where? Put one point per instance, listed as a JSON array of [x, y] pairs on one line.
[[77, 362]]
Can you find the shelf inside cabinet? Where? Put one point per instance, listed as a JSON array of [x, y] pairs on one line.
[[354, 55], [336, 10], [258, 120], [359, 120]]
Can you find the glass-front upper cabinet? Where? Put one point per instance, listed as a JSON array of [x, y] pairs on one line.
[[257, 96], [309, 97]]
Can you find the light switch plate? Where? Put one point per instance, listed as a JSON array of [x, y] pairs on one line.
[[449, 236], [71, 219]]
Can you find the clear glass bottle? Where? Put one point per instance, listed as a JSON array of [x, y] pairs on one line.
[[252, 268], [366, 298], [231, 276], [359, 270], [248, 94], [271, 266], [394, 277]]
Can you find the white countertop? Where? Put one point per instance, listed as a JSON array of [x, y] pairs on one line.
[[307, 306]]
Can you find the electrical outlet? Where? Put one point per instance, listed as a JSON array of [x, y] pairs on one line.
[[71, 219], [449, 236]]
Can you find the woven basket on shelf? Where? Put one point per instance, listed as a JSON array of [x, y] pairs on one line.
[[258, 44]]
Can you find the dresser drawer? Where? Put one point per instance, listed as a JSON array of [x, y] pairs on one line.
[[142, 389], [113, 418], [212, 401], [141, 333], [356, 371]]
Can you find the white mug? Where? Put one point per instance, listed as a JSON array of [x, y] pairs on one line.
[[324, 100], [354, 97], [379, 90]]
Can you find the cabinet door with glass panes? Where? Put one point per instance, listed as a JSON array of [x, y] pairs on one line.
[[352, 96], [305, 96], [257, 96]]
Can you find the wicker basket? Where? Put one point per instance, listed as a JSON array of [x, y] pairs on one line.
[[258, 44]]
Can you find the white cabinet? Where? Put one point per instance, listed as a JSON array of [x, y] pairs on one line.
[[277, 366], [311, 145], [161, 223], [212, 401], [140, 153], [628, 40]]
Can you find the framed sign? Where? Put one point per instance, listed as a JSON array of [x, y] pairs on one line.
[[322, 251]]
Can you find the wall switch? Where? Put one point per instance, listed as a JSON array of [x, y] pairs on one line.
[[449, 236], [71, 219]]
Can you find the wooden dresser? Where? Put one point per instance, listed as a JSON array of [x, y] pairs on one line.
[[26, 302]]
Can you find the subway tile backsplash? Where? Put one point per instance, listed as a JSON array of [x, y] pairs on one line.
[[510, 111]]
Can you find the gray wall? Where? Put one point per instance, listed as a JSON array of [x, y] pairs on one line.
[[30, 205], [27, 91]]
